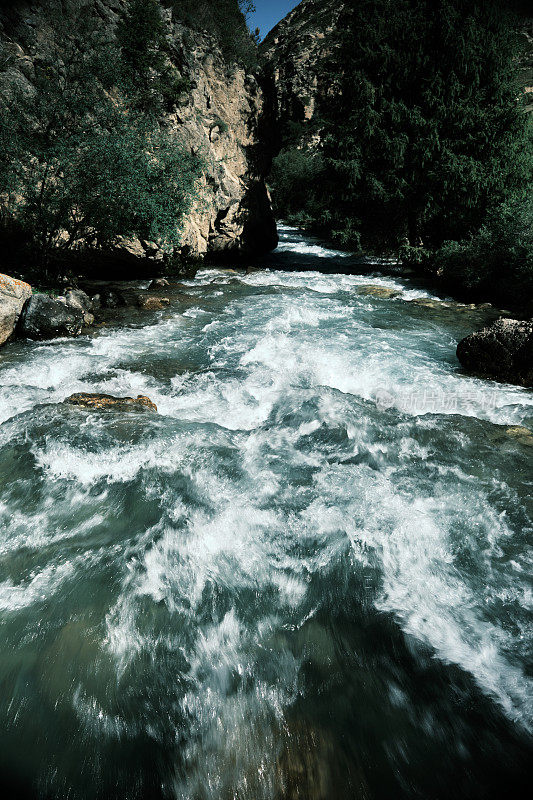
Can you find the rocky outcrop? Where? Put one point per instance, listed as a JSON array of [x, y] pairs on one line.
[[45, 317], [220, 116], [101, 402], [503, 351], [13, 295], [378, 291], [296, 52]]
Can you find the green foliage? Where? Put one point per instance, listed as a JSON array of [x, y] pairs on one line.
[[141, 37], [81, 167], [225, 20], [149, 78], [497, 261], [425, 131], [296, 178]]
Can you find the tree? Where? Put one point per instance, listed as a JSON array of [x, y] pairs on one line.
[[425, 131], [81, 166]]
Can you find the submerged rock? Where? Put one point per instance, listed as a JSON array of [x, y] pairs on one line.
[[153, 303], [45, 317], [503, 351], [378, 291], [521, 434], [108, 401], [13, 295]]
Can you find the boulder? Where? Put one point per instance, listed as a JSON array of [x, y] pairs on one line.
[[503, 351], [158, 283], [152, 303], [378, 291], [108, 401], [45, 317], [75, 298], [13, 295]]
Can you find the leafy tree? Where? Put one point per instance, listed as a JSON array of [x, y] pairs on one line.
[[297, 175], [497, 260], [80, 166]]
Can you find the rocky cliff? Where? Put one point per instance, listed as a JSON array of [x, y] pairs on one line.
[[220, 116], [296, 53]]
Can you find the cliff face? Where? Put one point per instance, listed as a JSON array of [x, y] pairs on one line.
[[220, 117], [295, 53]]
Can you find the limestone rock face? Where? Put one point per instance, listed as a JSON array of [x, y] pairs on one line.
[[222, 117], [13, 295], [45, 317], [295, 52], [503, 351]]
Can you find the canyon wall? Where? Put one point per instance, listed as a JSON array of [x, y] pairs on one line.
[[221, 117]]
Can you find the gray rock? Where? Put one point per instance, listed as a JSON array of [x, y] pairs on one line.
[[77, 299], [158, 283], [45, 317], [503, 351], [13, 295]]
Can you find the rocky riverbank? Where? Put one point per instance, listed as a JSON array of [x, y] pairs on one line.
[[38, 315], [501, 350]]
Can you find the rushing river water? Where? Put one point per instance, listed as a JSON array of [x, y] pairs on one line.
[[308, 576]]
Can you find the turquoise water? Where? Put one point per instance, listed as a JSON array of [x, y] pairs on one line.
[[309, 576]]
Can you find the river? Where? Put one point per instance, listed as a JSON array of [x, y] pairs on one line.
[[308, 576]]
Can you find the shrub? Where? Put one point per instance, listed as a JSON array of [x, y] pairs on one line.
[[498, 259], [81, 166]]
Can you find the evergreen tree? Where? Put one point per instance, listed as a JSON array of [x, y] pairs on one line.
[[425, 130]]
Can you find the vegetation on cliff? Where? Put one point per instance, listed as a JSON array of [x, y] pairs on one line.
[[423, 138], [86, 153], [226, 21]]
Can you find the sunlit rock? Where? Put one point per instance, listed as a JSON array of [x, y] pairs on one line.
[[153, 303], [108, 401], [378, 291], [13, 295]]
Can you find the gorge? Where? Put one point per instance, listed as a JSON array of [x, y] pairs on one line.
[[262, 535]]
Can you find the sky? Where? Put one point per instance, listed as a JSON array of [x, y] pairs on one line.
[[268, 13]]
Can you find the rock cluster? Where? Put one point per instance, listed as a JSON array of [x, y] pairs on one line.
[[503, 351], [45, 317]]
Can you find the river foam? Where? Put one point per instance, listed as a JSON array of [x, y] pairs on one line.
[[323, 493]]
